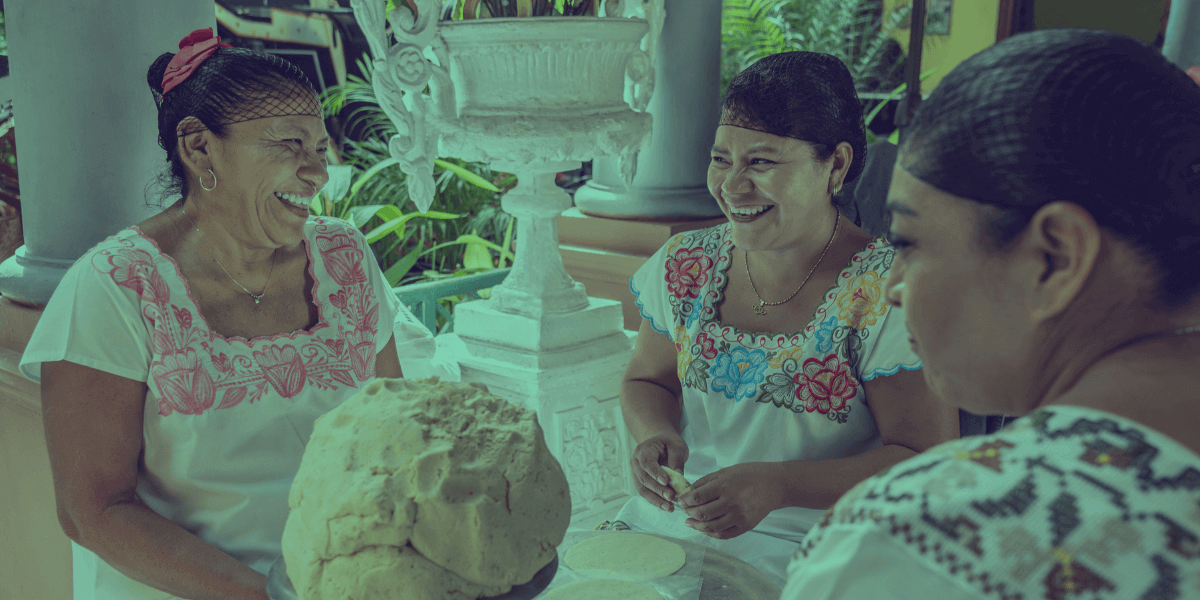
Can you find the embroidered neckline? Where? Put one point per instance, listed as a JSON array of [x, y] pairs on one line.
[[1170, 445], [322, 322], [721, 280]]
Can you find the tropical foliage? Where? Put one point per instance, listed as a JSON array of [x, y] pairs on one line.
[[467, 233], [856, 31]]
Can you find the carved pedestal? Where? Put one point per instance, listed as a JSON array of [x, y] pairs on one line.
[[578, 407], [541, 342]]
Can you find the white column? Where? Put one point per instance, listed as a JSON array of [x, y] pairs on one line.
[[1181, 44], [671, 181], [88, 125]]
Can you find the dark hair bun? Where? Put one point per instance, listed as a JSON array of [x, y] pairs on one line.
[[154, 76]]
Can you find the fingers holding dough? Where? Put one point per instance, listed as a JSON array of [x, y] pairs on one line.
[[678, 483]]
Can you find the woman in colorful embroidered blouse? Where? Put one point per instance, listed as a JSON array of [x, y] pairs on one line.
[[1046, 205], [773, 404], [184, 361]]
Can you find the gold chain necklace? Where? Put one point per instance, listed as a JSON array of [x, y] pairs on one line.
[[761, 309], [256, 297]]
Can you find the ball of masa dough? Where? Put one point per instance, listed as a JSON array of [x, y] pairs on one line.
[[437, 490]]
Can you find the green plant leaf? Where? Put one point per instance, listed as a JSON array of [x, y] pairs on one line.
[[398, 224], [471, 238], [892, 95], [506, 256], [369, 173], [458, 242], [476, 256], [317, 207], [395, 273], [361, 215], [895, 137], [467, 176], [339, 181]]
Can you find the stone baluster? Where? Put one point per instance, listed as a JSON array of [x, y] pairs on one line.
[[538, 282]]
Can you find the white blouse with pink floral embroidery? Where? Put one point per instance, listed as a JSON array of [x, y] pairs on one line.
[[226, 419]]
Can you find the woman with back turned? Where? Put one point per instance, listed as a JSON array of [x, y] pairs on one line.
[[1046, 206]]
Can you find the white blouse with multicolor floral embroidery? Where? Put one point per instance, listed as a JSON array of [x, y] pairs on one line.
[[751, 397], [226, 419]]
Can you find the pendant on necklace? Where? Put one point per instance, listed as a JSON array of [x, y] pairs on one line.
[[761, 308], [257, 297]]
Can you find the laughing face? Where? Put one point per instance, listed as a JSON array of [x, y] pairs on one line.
[[770, 187], [268, 171]]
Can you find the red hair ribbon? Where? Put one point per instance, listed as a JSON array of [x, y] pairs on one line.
[[193, 50]]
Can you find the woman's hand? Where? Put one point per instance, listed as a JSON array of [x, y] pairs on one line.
[[646, 464], [732, 501]]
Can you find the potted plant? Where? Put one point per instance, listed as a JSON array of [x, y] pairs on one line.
[[495, 9]]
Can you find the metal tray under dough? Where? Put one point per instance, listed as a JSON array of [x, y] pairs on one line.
[[279, 585], [727, 577]]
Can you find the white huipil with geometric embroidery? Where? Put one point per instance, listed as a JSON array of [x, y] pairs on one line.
[[751, 397], [1067, 502], [226, 420]]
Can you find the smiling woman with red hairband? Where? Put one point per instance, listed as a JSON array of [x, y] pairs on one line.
[[184, 360]]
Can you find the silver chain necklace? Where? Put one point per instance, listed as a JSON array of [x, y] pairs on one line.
[[761, 309], [256, 297]]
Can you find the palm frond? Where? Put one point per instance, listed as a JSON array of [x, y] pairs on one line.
[[847, 29]]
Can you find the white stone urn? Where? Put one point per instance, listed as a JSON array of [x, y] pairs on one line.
[[533, 97]]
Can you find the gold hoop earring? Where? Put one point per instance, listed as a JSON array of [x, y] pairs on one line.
[[201, 178]]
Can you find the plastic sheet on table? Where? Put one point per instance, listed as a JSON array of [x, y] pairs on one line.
[[683, 584]]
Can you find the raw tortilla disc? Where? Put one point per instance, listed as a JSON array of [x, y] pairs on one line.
[[631, 554], [603, 589], [677, 481]]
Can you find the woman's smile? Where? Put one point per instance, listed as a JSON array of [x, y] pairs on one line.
[[747, 214], [295, 204]]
